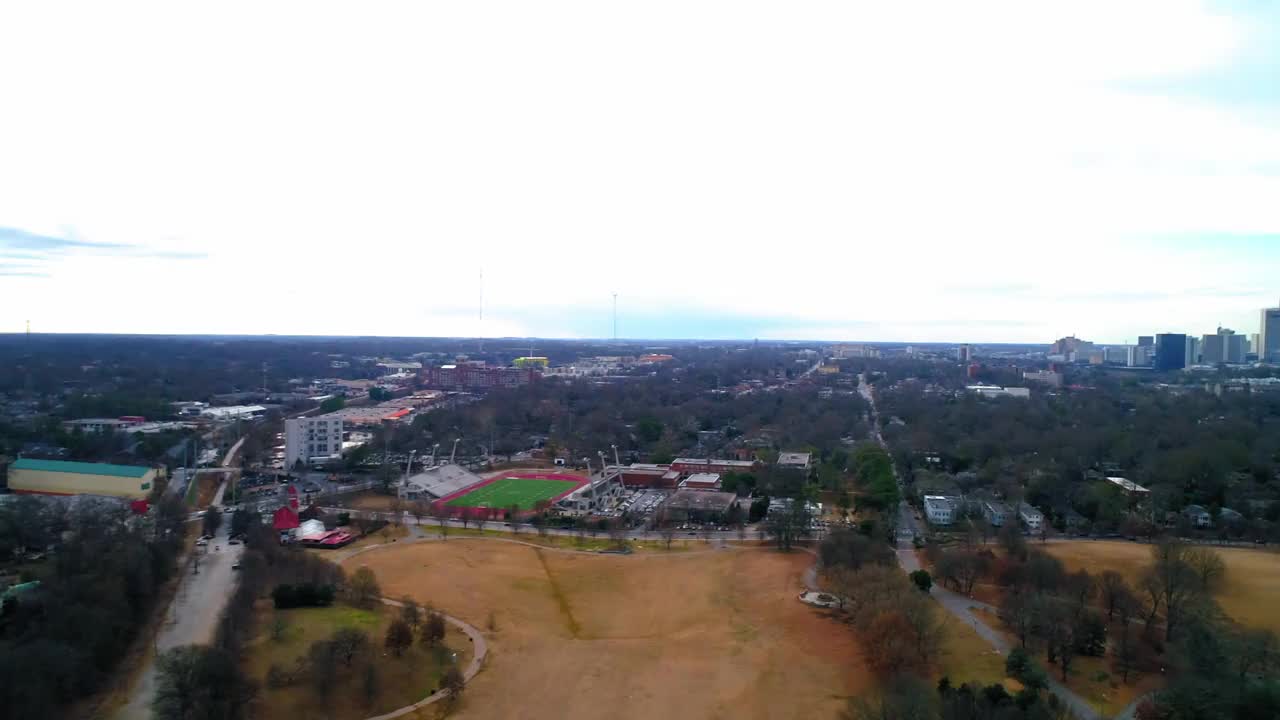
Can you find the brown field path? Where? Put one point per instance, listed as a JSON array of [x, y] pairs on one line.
[[714, 634]]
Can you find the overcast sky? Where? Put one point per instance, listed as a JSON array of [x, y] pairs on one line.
[[977, 171]]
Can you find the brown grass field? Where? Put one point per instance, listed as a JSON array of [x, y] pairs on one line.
[[694, 634], [1251, 584]]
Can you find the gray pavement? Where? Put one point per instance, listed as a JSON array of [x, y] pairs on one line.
[[191, 618]]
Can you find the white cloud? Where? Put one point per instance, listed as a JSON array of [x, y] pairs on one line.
[[830, 163]]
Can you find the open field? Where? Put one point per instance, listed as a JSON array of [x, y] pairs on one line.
[[505, 492], [1251, 585], [695, 634], [402, 680]]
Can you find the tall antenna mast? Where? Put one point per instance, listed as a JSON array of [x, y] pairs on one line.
[[615, 317], [481, 309]]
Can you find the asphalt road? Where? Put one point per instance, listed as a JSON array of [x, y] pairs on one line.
[[192, 616]]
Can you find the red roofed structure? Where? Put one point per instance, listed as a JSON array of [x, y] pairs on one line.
[[284, 519]]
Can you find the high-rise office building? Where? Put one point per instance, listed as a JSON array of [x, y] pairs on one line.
[[1192, 355], [964, 353], [1171, 352], [1237, 348], [1224, 346], [1269, 335], [1146, 341], [1255, 344]]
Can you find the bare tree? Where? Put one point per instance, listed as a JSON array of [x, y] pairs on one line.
[[419, 509], [666, 528], [928, 627], [399, 637], [453, 684], [362, 589], [410, 612], [397, 510], [1178, 581], [441, 513], [617, 530], [481, 517], [1207, 565], [433, 629], [1112, 586]]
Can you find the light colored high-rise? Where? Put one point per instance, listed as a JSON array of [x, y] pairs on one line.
[[1269, 335], [306, 439]]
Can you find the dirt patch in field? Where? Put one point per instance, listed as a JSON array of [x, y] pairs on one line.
[[1247, 594], [709, 635]]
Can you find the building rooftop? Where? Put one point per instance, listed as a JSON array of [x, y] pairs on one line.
[[794, 459], [84, 468], [707, 500], [1127, 485]]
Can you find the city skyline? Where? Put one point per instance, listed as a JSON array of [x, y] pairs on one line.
[[729, 172]]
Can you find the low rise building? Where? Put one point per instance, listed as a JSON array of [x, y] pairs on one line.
[[711, 465], [1031, 517], [939, 510], [1047, 377], [995, 512], [60, 477], [993, 391], [101, 425], [699, 505], [701, 481], [794, 460], [1198, 516]]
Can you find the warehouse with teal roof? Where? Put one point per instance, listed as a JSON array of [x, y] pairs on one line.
[[59, 477]]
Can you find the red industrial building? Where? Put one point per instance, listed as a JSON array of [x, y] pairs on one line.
[[712, 465], [648, 476]]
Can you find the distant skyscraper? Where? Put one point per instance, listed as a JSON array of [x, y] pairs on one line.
[[1171, 352], [1255, 344], [1213, 348], [1146, 341], [1192, 355], [964, 353], [1269, 335], [1237, 348]]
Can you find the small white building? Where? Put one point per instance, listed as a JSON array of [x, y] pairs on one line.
[[939, 509], [310, 439], [1031, 517]]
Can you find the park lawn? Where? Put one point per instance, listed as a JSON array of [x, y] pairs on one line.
[[966, 657], [505, 492], [402, 681], [588, 543], [1250, 586]]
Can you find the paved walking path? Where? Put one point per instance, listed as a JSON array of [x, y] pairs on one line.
[[478, 645]]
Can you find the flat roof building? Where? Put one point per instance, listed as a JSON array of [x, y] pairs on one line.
[[939, 509], [795, 460], [1127, 485], [60, 477], [699, 505], [702, 481]]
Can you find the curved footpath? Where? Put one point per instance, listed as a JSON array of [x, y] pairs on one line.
[[478, 645]]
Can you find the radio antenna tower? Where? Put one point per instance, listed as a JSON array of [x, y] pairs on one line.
[[481, 333], [615, 317]]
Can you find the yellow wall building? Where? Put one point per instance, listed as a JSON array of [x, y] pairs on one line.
[[57, 477]]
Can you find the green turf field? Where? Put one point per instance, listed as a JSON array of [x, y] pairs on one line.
[[522, 492]]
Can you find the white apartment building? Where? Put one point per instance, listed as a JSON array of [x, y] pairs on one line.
[[1031, 517], [939, 509], [308, 439]]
